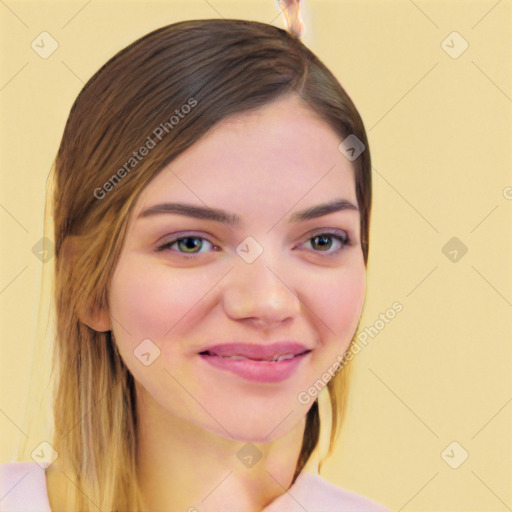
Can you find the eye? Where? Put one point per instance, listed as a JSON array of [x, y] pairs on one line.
[[186, 245], [324, 241]]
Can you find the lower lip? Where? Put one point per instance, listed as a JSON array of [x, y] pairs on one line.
[[257, 371]]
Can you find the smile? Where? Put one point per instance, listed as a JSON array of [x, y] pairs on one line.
[[274, 369], [240, 357]]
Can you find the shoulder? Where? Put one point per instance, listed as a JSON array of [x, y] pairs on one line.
[[316, 494], [23, 488], [339, 499]]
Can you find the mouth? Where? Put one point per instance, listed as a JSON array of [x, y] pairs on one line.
[[239, 357], [258, 363], [257, 352]]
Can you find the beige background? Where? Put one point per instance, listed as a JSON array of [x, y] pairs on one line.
[[440, 135]]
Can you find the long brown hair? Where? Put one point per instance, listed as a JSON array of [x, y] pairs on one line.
[[225, 66]]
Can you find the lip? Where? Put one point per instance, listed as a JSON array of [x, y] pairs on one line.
[[256, 351], [258, 367]]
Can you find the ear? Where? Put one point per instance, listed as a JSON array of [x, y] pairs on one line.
[[98, 320], [95, 319]]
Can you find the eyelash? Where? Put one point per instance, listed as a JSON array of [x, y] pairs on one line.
[[339, 235]]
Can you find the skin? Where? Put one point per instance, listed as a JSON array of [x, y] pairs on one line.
[[263, 166]]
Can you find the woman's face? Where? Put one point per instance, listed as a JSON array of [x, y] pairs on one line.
[[268, 278]]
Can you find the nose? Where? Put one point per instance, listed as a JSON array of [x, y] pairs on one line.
[[259, 293]]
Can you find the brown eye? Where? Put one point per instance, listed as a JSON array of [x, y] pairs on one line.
[[324, 242]]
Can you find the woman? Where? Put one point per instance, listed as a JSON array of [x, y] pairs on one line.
[[212, 196]]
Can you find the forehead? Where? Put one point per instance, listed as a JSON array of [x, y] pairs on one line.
[[264, 160]]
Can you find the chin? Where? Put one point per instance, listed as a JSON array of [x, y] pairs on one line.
[[260, 427]]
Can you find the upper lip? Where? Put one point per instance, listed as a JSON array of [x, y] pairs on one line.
[[256, 351]]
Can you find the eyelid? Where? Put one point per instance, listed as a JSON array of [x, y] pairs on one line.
[[173, 237], [328, 231]]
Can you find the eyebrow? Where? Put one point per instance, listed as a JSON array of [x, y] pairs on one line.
[[218, 215]]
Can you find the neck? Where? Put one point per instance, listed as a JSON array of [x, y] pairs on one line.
[[182, 467]]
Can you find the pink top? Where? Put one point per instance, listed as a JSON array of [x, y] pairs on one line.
[[23, 489]]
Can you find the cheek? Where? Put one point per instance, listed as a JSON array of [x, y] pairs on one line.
[[338, 302], [139, 303], [148, 301]]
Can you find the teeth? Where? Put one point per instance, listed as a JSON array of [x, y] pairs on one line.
[[276, 359], [283, 357]]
